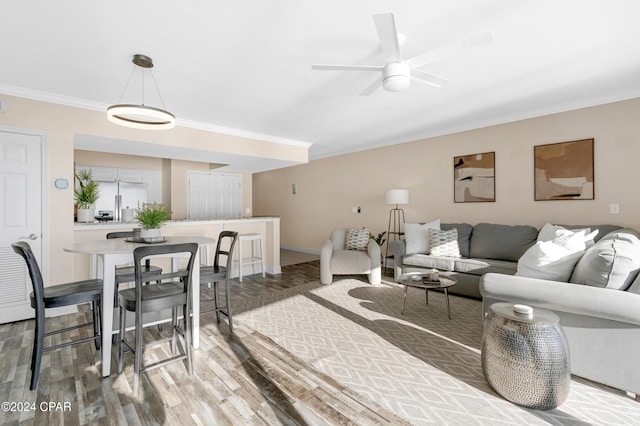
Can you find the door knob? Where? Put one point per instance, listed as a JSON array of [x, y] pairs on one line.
[[30, 237]]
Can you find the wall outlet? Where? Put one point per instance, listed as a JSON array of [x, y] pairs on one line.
[[355, 210]]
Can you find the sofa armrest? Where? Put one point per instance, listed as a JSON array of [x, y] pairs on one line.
[[614, 305]]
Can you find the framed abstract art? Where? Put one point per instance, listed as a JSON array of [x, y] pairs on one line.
[[564, 171], [474, 178]]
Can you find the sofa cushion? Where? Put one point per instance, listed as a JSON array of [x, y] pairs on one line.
[[443, 243], [502, 242], [416, 236], [613, 262], [464, 235], [484, 266], [427, 261], [357, 239], [553, 260]]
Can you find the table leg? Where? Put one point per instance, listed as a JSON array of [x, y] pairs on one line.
[[446, 293], [108, 288], [404, 300]]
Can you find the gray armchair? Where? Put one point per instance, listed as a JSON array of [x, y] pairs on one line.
[[336, 260]]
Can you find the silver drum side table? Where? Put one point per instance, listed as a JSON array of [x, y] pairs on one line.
[[525, 356]]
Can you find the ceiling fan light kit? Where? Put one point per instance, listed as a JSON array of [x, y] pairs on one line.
[[396, 76], [141, 116]]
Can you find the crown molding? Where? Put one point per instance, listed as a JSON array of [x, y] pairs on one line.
[[54, 98]]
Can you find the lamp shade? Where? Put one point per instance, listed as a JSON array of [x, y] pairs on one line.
[[398, 196]]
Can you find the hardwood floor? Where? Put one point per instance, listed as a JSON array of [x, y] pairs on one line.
[[244, 378]]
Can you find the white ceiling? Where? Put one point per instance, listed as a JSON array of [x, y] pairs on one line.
[[245, 66]]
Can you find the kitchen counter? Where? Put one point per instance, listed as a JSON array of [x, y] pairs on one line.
[[268, 226], [111, 225]]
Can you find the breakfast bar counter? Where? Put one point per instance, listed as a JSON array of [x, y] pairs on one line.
[[268, 226]]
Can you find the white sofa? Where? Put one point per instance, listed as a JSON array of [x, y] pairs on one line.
[[336, 260]]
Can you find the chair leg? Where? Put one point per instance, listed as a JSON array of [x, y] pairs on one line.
[[138, 355], [174, 325], [186, 315], [215, 301], [121, 340], [95, 305], [228, 301], [37, 350]]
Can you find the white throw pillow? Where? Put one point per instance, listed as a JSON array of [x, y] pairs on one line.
[[550, 232], [553, 260], [416, 236]]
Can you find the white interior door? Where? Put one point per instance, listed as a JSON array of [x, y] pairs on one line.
[[20, 218]]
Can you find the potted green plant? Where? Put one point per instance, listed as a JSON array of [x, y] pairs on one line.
[[380, 239], [85, 194], [151, 217]]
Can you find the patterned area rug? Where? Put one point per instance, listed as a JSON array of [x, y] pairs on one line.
[[422, 366]]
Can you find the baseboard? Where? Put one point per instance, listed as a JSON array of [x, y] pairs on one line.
[[300, 249]]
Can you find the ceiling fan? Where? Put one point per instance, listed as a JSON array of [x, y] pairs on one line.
[[398, 73]]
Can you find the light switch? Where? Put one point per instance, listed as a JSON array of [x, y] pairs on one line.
[[614, 208]]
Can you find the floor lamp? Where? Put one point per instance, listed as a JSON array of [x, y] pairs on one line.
[[396, 216]]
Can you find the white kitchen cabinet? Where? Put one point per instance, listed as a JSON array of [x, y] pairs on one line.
[[102, 174], [131, 175]]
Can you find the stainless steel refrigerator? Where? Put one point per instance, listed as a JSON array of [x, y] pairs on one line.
[[115, 196]]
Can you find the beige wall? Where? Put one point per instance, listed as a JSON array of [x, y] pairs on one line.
[[328, 188], [60, 124]]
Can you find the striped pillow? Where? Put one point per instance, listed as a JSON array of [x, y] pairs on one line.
[[357, 239], [444, 243]]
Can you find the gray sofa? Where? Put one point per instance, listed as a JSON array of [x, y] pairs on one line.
[[599, 308], [484, 248]]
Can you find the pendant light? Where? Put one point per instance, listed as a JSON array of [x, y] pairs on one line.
[[141, 116]]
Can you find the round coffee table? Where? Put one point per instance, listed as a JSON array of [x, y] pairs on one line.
[[415, 279]]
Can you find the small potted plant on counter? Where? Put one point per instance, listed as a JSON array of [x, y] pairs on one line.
[[85, 195], [151, 217]]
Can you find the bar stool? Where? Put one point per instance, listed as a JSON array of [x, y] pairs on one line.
[[254, 238]]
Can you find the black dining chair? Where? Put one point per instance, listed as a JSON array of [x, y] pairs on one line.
[[74, 293], [126, 274], [218, 272], [170, 290]]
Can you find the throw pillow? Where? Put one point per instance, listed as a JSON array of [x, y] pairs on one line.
[[357, 239], [444, 243], [416, 236], [549, 232], [613, 262], [552, 260]]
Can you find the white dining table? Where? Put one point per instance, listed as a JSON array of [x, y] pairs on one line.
[[118, 251]]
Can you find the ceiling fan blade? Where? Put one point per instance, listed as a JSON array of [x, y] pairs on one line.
[[375, 85], [430, 78], [388, 35], [330, 67], [451, 49], [427, 82]]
